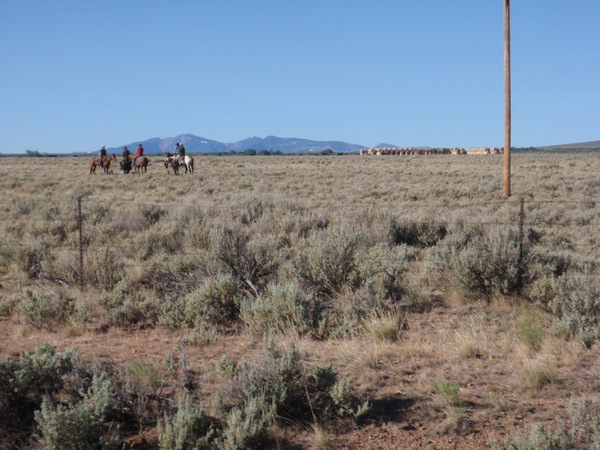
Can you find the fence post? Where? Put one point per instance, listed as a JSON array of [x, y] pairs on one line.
[[521, 223], [80, 225]]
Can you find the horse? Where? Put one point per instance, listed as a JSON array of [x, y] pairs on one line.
[[95, 162], [126, 164], [172, 162], [106, 162], [141, 164], [187, 162], [105, 165]]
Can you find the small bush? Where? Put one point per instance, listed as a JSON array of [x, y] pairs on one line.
[[9, 305], [344, 400], [189, 427], [584, 431], [447, 391], [217, 302], [106, 270], [280, 382], [247, 426], [25, 382], [78, 426], [489, 264], [384, 269], [45, 311], [584, 415], [414, 232], [329, 263], [28, 259], [129, 304], [539, 439], [141, 386], [576, 305], [250, 261], [530, 331], [282, 306]]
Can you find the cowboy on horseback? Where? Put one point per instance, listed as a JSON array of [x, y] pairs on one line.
[[138, 152], [126, 162], [101, 156], [179, 153]]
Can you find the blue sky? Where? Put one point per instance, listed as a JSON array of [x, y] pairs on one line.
[[76, 75]]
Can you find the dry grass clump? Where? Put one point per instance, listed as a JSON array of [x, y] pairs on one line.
[[536, 371], [385, 326]]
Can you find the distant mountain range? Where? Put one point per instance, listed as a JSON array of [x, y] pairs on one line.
[[578, 145], [195, 144]]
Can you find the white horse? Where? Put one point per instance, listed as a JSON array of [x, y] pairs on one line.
[[175, 162], [188, 162]]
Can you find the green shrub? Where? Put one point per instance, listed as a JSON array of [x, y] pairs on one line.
[[216, 301], [283, 305], [448, 391], [227, 367], [197, 230], [329, 263], [10, 304], [78, 426], [151, 214], [280, 382], [530, 331], [345, 403], [28, 259], [133, 310], [130, 304], [104, 270], [539, 439], [414, 232], [583, 433], [45, 311], [253, 211], [25, 382], [384, 268], [248, 426], [490, 264], [584, 415], [189, 427], [576, 304]]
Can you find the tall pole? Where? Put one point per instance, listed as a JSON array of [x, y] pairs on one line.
[[80, 225], [507, 131]]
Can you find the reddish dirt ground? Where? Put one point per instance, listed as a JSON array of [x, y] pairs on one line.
[[405, 411]]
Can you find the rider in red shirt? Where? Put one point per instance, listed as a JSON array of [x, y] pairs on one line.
[[138, 152]]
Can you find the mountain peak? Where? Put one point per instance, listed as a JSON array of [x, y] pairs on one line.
[[196, 144]]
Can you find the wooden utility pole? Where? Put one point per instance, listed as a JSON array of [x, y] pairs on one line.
[[507, 131], [80, 225]]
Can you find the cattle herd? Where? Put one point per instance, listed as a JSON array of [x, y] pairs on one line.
[[431, 151]]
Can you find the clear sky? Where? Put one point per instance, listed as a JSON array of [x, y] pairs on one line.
[[77, 74]]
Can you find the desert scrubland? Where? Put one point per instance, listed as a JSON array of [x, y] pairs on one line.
[[301, 302]]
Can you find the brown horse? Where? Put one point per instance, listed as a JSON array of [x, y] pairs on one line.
[[140, 164], [106, 164], [170, 161]]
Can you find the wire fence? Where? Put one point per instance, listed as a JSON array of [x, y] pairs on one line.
[[74, 217]]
